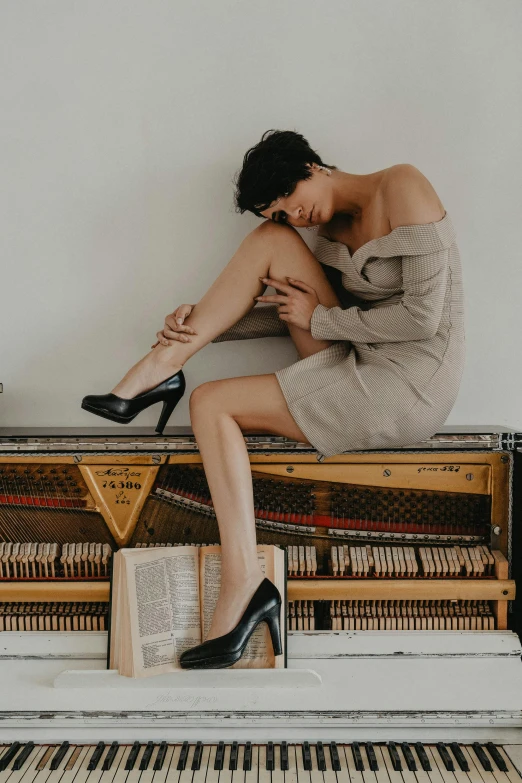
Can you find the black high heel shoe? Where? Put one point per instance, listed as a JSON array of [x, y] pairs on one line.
[[115, 408], [265, 605]]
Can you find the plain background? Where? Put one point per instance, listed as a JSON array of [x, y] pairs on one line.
[[124, 123]]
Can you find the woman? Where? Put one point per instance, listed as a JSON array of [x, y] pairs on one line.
[[381, 350]]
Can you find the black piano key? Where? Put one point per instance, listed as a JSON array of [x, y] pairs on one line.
[[59, 755], [133, 755], [497, 758], [247, 759], [234, 751], [408, 755], [319, 752], [9, 754], [358, 759], [284, 756], [394, 757], [111, 755], [147, 753], [372, 758], [196, 759], [22, 757], [96, 756], [269, 756], [445, 756], [459, 755], [482, 757], [307, 756], [334, 755], [220, 755], [423, 757], [182, 762], [160, 756]]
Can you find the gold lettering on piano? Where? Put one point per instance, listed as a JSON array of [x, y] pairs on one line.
[[119, 492]]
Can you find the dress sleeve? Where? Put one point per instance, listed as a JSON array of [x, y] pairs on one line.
[[415, 317], [260, 321]]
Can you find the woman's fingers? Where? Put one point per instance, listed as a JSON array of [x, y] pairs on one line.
[[272, 298], [172, 334], [287, 289], [172, 324]]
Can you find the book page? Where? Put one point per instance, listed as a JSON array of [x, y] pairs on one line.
[[163, 606], [259, 652]]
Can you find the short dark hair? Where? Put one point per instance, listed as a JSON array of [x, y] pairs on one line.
[[272, 168]]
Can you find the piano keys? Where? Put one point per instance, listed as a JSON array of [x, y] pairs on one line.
[[277, 761]]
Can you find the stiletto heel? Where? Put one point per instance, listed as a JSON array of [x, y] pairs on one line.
[[110, 406], [265, 605], [168, 407], [273, 622]]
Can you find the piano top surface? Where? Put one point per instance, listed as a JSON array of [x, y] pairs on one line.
[[186, 430]]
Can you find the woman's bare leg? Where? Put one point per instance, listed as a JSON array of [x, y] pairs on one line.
[[270, 250], [220, 412]]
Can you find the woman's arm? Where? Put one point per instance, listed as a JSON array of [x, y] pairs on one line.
[[412, 201], [416, 317]]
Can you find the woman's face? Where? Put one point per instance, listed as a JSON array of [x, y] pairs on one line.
[[310, 204]]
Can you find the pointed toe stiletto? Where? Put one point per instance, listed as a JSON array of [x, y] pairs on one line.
[[115, 408], [265, 605]]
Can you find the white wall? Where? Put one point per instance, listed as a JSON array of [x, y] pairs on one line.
[[123, 123]]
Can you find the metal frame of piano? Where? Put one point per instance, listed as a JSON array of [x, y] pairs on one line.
[[424, 686]]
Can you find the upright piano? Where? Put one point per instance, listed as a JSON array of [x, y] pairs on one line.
[[404, 655]]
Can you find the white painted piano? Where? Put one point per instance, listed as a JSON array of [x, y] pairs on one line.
[[352, 706]]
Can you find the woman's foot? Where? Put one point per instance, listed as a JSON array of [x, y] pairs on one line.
[[231, 604], [154, 368]]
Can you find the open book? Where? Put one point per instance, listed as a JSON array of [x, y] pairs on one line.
[[162, 603]]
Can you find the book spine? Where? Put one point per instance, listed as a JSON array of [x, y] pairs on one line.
[[285, 609]]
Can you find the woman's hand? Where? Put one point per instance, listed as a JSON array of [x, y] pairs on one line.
[[297, 302], [174, 330]]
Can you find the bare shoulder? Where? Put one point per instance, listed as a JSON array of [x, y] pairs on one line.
[[410, 197]]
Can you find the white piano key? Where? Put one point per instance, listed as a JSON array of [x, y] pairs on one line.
[[225, 775], [435, 775], [369, 776], [135, 773], [343, 775], [421, 775], [329, 774], [355, 775], [212, 775], [251, 774], [437, 763], [316, 774], [278, 775], [71, 764], [476, 774], [386, 770], [201, 773], [121, 772], [291, 772], [263, 773], [502, 777], [303, 775], [407, 775], [107, 776], [172, 772]]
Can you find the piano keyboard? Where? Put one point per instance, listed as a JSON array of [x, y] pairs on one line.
[[271, 762]]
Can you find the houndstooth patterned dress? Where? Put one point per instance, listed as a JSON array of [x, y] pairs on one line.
[[394, 372]]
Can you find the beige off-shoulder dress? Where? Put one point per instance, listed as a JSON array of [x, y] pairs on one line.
[[394, 372]]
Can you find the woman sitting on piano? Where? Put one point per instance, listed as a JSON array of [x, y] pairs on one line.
[[380, 347]]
